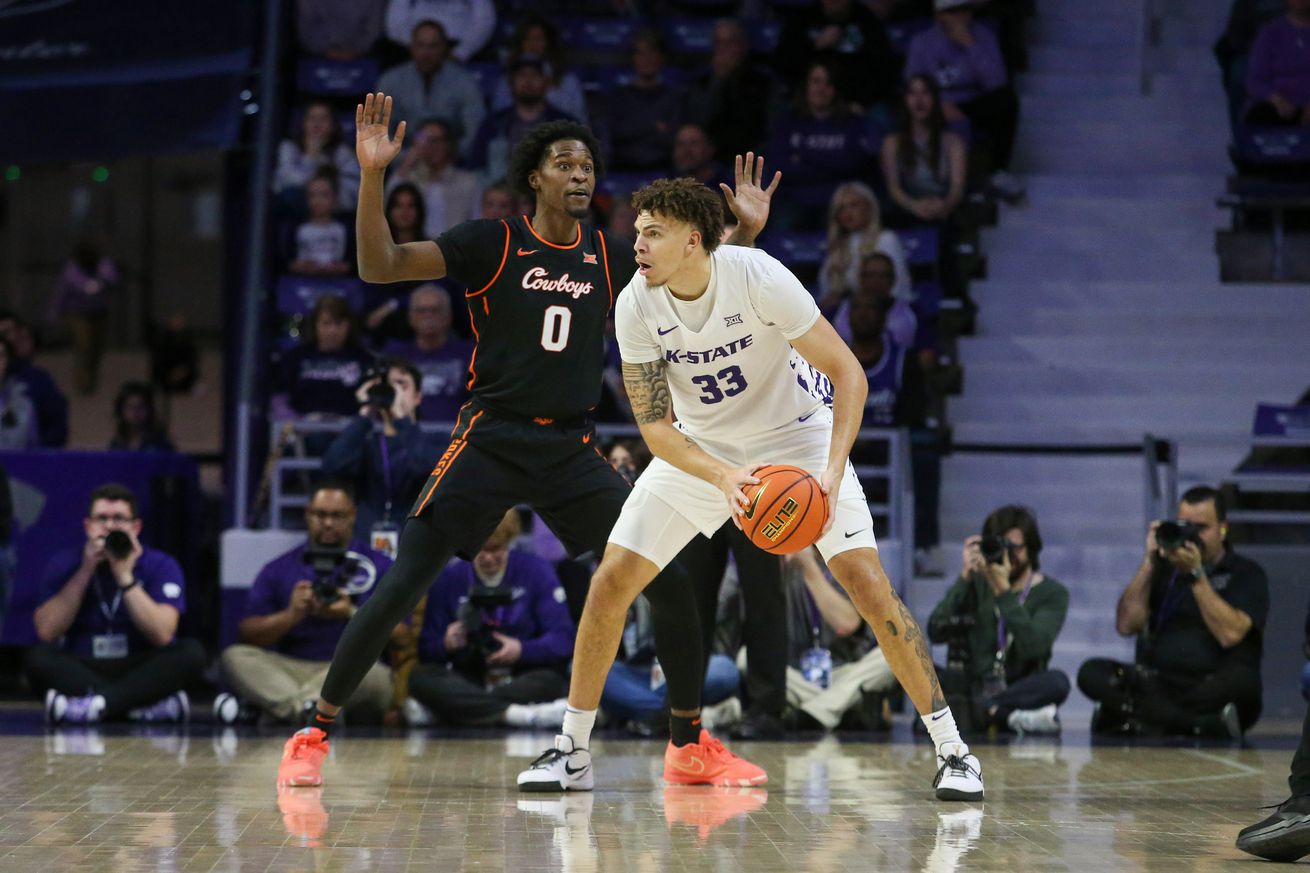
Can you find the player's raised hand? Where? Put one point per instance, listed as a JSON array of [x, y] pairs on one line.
[[748, 200], [374, 145]]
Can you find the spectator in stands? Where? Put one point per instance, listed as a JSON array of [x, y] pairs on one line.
[[108, 624], [501, 130], [693, 155], [441, 357], [897, 397], [1278, 81], [432, 85], [450, 195], [342, 30], [81, 298], [498, 201], [535, 36], [1199, 613], [469, 23], [622, 219], [496, 639], [851, 42], [642, 140], [406, 217], [854, 231], [1233, 48], [966, 60], [174, 356], [136, 424], [820, 142], [295, 612], [877, 279], [924, 163], [321, 374], [49, 402], [383, 453], [322, 245], [17, 415], [1004, 614], [317, 145], [731, 101]]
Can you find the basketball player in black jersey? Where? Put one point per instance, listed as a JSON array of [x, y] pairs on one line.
[[539, 292]]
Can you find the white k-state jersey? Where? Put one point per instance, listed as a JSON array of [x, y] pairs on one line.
[[738, 375]]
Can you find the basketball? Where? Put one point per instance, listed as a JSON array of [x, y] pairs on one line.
[[787, 509]]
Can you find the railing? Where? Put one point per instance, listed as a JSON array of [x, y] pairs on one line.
[[897, 509]]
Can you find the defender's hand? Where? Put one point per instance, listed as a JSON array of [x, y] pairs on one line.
[[750, 202], [374, 145]]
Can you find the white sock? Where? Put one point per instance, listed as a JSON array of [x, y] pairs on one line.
[[942, 729], [577, 726]]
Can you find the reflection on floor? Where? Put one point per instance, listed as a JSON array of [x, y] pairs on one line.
[[132, 800]]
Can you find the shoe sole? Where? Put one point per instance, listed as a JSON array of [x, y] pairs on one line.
[[1286, 841], [727, 783], [301, 782], [956, 794], [551, 787]]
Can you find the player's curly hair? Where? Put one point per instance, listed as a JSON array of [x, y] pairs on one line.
[[685, 200], [531, 151]]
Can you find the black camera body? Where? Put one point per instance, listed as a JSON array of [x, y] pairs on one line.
[[472, 614], [382, 395], [1171, 534], [995, 548], [118, 544], [326, 563]]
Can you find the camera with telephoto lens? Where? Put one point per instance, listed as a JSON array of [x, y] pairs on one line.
[[1171, 534], [472, 614], [995, 548], [118, 544], [381, 394], [326, 563]]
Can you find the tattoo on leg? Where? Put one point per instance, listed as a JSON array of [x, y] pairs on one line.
[[915, 638], [891, 626]]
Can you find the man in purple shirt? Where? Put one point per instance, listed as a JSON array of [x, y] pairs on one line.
[[108, 624], [496, 639], [441, 357], [295, 612], [965, 58], [1278, 80]]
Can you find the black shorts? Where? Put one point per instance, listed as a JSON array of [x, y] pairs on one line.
[[494, 463]]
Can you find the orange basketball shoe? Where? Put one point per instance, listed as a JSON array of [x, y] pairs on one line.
[[707, 762], [303, 814], [302, 758]]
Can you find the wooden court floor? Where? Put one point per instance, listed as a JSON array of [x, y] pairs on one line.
[[205, 801]]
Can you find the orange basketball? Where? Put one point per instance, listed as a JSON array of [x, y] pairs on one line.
[[787, 509]]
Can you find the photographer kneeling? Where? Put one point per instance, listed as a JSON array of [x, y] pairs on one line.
[[496, 639], [1198, 609], [1000, 620], [296, 611]]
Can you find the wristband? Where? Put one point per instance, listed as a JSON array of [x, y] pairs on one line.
[[128, 587]]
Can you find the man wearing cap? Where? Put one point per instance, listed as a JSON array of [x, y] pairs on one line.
[[501, 130], [434, 85]]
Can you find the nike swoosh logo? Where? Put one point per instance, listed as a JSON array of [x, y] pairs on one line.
[[934, 718], [692, 765], [750, 513], [662, 332], [853, 533], [523, 252], [807, 417], [574, 772]]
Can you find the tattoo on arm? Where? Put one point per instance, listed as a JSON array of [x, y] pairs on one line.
[[914, 638], [891, 627], [648, 390]]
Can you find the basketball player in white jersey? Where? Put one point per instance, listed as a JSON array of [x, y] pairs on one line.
[[733, 342]]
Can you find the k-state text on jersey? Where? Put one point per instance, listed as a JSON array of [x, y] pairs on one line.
[[678, 356]]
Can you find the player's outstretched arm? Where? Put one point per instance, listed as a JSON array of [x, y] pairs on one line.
[[648, 392], [748, 199], [380, 259]]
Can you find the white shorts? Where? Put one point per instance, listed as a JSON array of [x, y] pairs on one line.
[[668, 506]]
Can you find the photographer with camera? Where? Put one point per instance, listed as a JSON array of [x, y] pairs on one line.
[[1198, 609], [296, 611], [999, 621], [108, 624], [384, 453], [496, 639]]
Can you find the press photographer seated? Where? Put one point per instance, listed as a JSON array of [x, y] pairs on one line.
[[108, 624], [496, 640], [1198, 609], [296, 611], [999, 621]]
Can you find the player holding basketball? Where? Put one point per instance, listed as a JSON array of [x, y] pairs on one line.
[[539, 293], [711, 331]]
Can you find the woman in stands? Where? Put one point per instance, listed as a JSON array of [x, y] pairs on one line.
[[821, 141], [406, 216], [924, 163], [855, 230], [317, 144], [536, 36]]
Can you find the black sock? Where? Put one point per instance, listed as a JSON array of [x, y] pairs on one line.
[[322, 721], [684, 730]]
